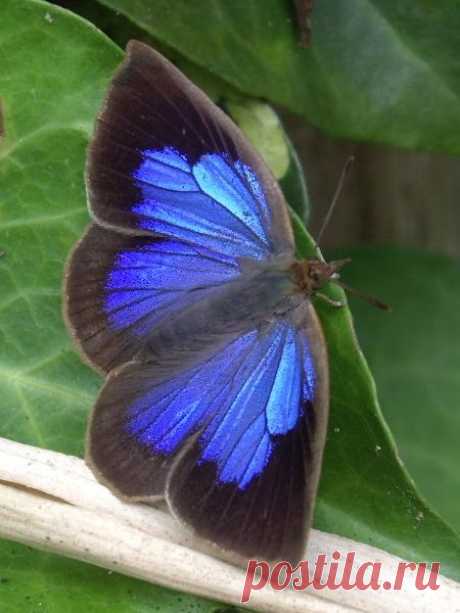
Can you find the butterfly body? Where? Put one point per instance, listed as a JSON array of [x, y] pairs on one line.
[[256, 296], [186, 294]]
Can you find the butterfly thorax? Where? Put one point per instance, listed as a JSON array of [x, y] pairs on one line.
[[312, 274]]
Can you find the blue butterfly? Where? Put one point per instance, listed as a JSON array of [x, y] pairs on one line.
[[185, 292]]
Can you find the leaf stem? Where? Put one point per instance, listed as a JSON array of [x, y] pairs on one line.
[[52, 501]]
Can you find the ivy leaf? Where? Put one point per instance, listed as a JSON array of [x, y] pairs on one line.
[[365, 491], [377, 70], [263, 128], [33, 581], [416, 362], [294, 185]]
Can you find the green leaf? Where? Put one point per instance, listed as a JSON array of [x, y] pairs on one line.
[[415, 356], [258, 120], [365, 492], [55, 69], [294, 185], [378, 70], [263, 128], [32, 581]]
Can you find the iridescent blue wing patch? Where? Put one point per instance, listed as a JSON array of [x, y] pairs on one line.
[[233, 438], [213, 202], [165, 160], [120, 287]]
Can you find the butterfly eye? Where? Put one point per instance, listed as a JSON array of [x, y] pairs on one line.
[[315, 273]]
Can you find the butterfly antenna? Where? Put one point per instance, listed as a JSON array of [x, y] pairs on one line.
[[370, 299], [338, 191]]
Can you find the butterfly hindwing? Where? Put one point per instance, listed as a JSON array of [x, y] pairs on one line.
[[234, 439]]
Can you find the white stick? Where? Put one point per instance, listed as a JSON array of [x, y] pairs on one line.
[[85, 521]]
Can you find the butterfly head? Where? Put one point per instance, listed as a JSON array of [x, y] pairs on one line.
[[312, 274]]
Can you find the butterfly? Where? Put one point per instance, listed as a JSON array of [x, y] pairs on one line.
[[185, 293]]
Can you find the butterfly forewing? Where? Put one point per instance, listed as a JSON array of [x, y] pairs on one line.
[[165, 159]]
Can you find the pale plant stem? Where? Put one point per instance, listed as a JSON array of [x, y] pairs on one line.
[[52, 501]]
